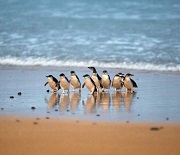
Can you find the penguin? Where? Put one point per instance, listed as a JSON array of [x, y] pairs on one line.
[[75, 82], [96, 78], [117, 82], [129, 83], [64, 83], [53, 83], [106, 80], [89, 84]]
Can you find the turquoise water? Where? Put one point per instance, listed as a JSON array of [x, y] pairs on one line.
[[142, 35]]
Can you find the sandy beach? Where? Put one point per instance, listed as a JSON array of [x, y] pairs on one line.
[[55, 136], [38, 122]]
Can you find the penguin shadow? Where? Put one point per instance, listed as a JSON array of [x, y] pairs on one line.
[[64, 102], [105, 100], [128, 99], [53, 100], [75, 100], [90, 104], [117, 98]]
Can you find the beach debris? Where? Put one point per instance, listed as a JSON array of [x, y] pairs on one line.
[[35, 123], [33, 108], [2, 108], [156, 128], [138, 114], [56, 110], [47, 117], [98, 115], [167, 118], [11, 97], [127, 121], [19, 93], [68, 110], [17, 120]]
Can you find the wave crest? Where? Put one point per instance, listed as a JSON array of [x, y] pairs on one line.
[[72, 63]]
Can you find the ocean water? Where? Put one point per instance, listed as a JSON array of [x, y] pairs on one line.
[[139, 34]]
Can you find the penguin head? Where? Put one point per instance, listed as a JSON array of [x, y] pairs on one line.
[[93, 69], [72, 72], [121, 74], [62, 76], [105, 72], [49, 76], [129, 75], [86, 76]]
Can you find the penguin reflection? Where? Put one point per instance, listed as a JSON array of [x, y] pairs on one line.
[[117, 99], [75, 99], [105, 101], [64, 101], [128, 98], [90, 105], [53, 100]]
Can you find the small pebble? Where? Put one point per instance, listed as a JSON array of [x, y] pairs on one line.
[[2, 108], [47, 117], [98, 115], [17, 120], [56, 110], [33, 108], [138, 114], [154, 128], [37, 118], [35, 123], [68, 110], [19, 93], [127, 121], [11, 97], [137, 97], [167, 118]]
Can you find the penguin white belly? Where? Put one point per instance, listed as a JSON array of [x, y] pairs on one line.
[[64, 84], [53, 85], [96, 81], [75, 82], [105, 82], [128, 84], [89, 85], [116, 84]]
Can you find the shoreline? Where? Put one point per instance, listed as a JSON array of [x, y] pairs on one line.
[[156, 98], [45, 136]]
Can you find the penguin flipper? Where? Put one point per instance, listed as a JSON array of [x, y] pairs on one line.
[[54, 79], [45, 83], [78, 79], [83, 85], [99, 78], [134, 83]]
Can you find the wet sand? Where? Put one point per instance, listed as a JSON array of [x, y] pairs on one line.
[[156, 99], [56, 136]]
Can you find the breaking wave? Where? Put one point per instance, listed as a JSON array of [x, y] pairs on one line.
[[72, 63]]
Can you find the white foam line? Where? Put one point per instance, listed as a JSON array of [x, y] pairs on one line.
[[71, 63]]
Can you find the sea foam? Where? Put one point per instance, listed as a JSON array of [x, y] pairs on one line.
[[72, 63]]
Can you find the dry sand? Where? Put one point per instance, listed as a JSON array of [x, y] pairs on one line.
[[54, 136]]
